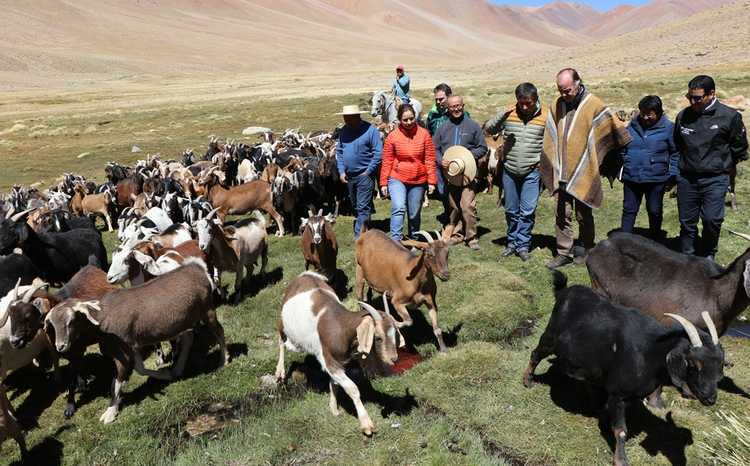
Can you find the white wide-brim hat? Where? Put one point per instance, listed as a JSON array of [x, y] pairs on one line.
[[351, 110], [462, 168]]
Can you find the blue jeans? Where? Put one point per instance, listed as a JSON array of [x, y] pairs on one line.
[[360, 193], [521, 196], [632, 194], [405, 198], [701, 196]]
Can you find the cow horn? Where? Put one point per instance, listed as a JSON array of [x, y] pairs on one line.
[[711, 327], [690, 329], [741, 235], [375, 314], [35, 286]]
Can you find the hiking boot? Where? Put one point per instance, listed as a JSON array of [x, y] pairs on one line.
[[523, 254], [507, 252], [559, 261], [474, 246]]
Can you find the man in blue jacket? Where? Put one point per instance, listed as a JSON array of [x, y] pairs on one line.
[[401, 84], [358, 153], [712, 140], [649, 164]]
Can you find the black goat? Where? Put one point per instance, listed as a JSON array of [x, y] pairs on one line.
[[57, 256], [628, 354], [637, 272], [59, 220], [13, 267]]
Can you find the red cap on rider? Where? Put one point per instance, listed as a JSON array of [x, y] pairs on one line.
[[399, 67]]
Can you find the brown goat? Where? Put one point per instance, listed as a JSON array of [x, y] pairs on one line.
[[28, 318], [126, 189], [319, 246], [240, 199], [129, 320], [9, 427], [92, 204], [389, 268]]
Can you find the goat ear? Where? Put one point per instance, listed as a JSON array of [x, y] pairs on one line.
[[146, 261], [42, 305], [22, 231], [401, 339], [365, 336], [677, 367], [746, 277], [90, 309]]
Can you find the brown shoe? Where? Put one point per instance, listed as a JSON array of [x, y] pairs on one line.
[[559, 261]]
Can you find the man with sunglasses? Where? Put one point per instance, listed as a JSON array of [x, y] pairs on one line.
[[711, 139]]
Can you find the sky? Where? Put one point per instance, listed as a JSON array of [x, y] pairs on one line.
[[602, 5]]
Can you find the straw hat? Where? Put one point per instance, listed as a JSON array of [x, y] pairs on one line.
[[351, 110], [463, 168]]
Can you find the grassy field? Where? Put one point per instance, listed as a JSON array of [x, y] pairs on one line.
[[468, 407]]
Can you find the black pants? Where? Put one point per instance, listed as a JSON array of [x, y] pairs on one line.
[[701, 196], [632, 195]]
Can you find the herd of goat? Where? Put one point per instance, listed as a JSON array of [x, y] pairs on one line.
[[175, 241]]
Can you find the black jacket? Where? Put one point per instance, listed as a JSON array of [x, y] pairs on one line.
[[712, 142]]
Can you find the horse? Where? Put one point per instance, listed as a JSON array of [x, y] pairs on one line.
[[386, 106]]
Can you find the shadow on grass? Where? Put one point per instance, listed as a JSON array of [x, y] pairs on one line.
[[258, 283], [547, 242], [340, 284], [420, 331], [727, 384], [316, 379], [48, 452], [662, 436], [42, 392]]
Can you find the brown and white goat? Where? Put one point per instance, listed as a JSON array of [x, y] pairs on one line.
[[409, 280], [9, 427], [129, 320], [148, 259], [319, 246], [82, 204], [234, 248], [314, 321], [239, 199]]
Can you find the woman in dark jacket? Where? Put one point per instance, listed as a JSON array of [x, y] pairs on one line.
[[649, 164]]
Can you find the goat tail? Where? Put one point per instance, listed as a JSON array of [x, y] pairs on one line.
[[559, 280]]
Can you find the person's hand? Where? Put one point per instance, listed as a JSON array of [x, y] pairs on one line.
[[384, 191], [445, 164], [342, 177], [671, 183], [430, 189]]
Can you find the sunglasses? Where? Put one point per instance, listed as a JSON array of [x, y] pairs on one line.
[[695, 98]]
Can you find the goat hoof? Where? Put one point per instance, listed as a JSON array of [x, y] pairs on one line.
[[69, 411], [528, 381], [109, 415], [369, 430]]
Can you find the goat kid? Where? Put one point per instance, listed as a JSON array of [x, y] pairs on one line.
[[234, 248]]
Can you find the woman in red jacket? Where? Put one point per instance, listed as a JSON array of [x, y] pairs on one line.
[[408, 165]]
